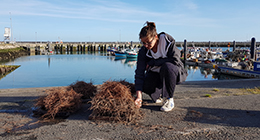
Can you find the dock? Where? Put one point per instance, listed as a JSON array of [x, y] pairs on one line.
[[40, 46]]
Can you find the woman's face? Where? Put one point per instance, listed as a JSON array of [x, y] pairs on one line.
[[149, 43]]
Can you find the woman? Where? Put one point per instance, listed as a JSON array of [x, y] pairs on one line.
[[159, 67]]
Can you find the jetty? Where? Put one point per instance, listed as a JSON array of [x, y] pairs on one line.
[[61, 47]]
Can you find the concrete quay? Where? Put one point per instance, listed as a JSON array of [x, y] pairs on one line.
[[135, 44], [230, 113]]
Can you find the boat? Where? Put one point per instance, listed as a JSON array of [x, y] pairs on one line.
[[120, 53], [239, 72], [131, 53], [44, 52], [111, 51], [231, 69]]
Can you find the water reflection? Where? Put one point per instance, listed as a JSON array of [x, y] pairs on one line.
[[207, 72], [200, 73], [64, 69], [131, 62], [96, 53], [4, 71], [203, 73]]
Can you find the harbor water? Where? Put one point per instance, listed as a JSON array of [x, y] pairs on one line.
[[65, 69]]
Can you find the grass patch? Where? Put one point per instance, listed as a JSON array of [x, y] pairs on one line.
[[8, 69], [10, 66], [11, 50], [208, 95], [255, 90], [215, 89]]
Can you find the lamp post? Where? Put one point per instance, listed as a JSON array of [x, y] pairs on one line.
[[35, 37], [11, 27]]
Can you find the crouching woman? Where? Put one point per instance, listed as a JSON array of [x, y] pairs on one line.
[[159, 67]]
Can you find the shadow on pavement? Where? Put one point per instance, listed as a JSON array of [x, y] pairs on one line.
[[16, 113], [241, 83], [226, 117]]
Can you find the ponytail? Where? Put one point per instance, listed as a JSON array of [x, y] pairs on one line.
[[148, 31]]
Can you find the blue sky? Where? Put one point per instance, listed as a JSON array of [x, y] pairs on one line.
[[121, 20]]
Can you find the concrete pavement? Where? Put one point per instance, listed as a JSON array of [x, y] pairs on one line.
[[231, 113]]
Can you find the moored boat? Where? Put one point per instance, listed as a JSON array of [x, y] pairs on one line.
[[131, 53], [239, 72], [120, 53]]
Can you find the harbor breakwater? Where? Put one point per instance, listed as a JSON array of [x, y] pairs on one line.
[[8, 54], [61, 47], [178, 43]]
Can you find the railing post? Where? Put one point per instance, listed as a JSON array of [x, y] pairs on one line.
[[252, 49], [209, 45], [234, 45], [185, 50]]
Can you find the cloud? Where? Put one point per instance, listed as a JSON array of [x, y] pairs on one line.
[[190, 5], [100, 10], [110, 11]]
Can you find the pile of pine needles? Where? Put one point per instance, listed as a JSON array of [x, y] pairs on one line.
[[131, 86], [114, 102], [86, 89], [58, 102]]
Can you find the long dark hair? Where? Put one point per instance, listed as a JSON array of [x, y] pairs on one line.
[[148, 31]]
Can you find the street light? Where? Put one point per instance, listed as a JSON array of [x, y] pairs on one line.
[[11, 27], [35, 37]]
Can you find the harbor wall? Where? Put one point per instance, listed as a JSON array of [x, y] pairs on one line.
[[62, 47], [134, 44]]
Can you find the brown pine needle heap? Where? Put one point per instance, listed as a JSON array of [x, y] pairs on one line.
[[131, 86], [86, 89], [114, 102], [61, 101]]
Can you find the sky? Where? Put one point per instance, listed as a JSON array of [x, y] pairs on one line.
[[122, 20]]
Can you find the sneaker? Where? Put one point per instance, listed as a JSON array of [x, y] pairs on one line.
[[168, 105], [159, 100]]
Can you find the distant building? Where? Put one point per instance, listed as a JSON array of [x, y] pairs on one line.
[[7, 34]]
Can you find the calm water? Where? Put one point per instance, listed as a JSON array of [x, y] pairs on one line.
[[63, 70]]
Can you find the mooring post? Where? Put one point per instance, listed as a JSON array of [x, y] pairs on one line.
[[252, 49], [71, 48], [234, 45], [49, 46], [61, 49], [209, 45], [84, 48], [78, 48], [67, 48], [185, 50]]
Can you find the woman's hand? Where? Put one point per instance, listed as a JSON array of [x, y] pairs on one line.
[[138, 100]]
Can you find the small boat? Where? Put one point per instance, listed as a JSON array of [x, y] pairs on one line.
[[246, 73], [111, 51], [239, 72], [131, 53], [120, 53]]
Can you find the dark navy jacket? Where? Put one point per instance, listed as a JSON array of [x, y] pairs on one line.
[[173, 56]]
